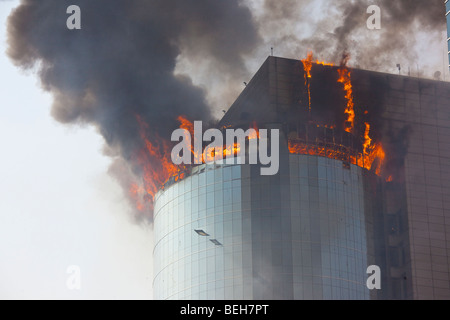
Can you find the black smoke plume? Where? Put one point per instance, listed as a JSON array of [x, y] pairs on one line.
[[119, 69], [330, 28]]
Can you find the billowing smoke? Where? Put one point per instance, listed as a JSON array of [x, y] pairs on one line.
[[331, 27], [412, 34], [118, 72], [401, 20]]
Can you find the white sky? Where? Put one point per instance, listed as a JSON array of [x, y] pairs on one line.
[[58, 206]]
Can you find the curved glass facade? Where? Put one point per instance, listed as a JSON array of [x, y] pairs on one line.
[[188, 265], [301, 234]]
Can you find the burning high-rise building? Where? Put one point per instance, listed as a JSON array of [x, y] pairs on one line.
[[363, 177], [364, 180]]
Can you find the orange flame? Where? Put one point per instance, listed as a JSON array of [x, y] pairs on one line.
[[345, 78], [363, 160], [186, 124], [189, 126], [254, 127], [324, 63], [367, 140], [371, 153], [307, 63], [156, 164], [307, 66], [229, 150]]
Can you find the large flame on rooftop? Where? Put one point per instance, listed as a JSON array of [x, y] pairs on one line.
[[156, 165], [154, 159]]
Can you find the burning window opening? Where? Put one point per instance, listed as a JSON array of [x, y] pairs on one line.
[[309, 139], [158, 170], [327, 142], [307, 66]]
